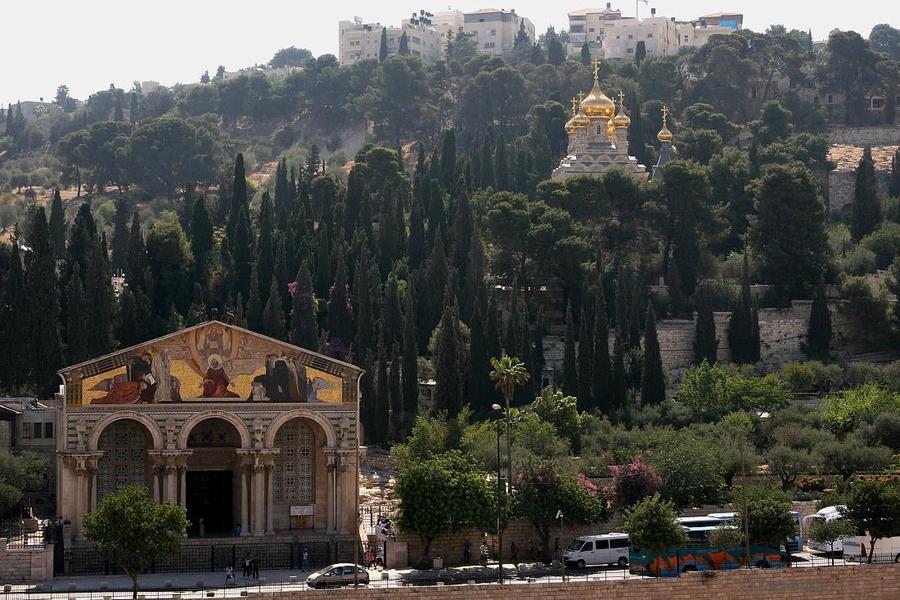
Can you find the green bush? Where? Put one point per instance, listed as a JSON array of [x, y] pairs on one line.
[[812, 376], [858, 261], [884, 243], [843, 411]]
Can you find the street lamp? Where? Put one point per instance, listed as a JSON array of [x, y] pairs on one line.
[[499, 495]]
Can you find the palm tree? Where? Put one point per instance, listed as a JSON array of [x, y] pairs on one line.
[[508, 372]]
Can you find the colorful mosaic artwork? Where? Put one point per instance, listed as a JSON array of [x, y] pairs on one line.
[[210, 363]]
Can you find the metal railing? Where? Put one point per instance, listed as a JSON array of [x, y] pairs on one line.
[[212, 585]]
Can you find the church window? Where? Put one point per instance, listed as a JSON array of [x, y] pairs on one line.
[[124, 461], [293, 479]]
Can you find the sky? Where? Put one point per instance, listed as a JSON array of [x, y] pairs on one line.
[[89, 44]]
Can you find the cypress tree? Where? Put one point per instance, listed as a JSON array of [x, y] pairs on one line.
[[511, 338], [410, 355], [570, 369], [448, 159], [622, 328], [240, 319], [136, 318], [100, 302], [14, 324], [474, 292], [135, 270], [43, 342], [602, 370], [740, 329], [478, 382], [134, 112], [383, 48], [653, 379], [585, 54], [242, 253], [396, 395], [254, 303], [77, 329], [487, 165], [447, 366], [340, 312], [382, 406], [304, 330], [619, 397], [238, 197], [273, 315], [540, 360], [282, 195], [363, 302], [429, 307], [705, 342], [894, 187], [265, 252], [634, 316], [585, 363], [416, 241], [866, 210], [755, 350], [391, 313], [201, 238], [58, 226], [121, 235], [818, 333], [176, 321], [462, 236], [403, 49], [367, 400], [637, 145], [502, 166]]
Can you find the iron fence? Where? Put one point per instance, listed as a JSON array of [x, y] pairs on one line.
[[212, 585]]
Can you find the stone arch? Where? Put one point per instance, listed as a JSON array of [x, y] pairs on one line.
[[300, 413], [239, 426], [147, 422]]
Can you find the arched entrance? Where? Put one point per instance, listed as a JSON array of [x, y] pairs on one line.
[[125, 460], [297, 473], [212, 494]]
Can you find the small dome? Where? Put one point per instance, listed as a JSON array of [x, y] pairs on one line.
[[664, 134], [621, 120], [580, 120]]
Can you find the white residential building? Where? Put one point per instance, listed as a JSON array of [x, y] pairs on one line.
[[360, 41], [613, 36], [495, 30]]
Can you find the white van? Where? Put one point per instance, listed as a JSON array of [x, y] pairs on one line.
[[856, 549], [606, 549], [829, 513]]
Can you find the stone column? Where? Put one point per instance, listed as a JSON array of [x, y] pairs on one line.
[[171, 471], [182, 485], [92, 473], [330, 491], [258, 497], [270, 504], [245, 500]]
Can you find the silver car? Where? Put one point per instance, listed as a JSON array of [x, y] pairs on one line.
[[337, 575]]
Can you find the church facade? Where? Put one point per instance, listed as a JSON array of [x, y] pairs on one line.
[[253, 436]]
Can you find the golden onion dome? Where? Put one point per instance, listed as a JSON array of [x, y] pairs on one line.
[[597, 104], [664, 134], [611, 129], [621, 120]]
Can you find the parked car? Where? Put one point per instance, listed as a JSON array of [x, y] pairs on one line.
[[337, 575], [606, 549]]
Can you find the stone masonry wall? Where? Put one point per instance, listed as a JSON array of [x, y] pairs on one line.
[[878, 582], [781, 332], [25, 564], [862, 136], [842, 185]]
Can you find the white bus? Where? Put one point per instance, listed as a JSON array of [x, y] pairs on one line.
[[829, 513], [699, 528]]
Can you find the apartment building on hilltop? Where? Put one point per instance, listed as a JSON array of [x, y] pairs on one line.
[[494, 33], [611, 35], [361, 41]]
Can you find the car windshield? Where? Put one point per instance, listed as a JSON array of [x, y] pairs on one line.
[[576, 545]]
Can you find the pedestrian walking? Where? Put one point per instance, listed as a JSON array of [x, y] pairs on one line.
[[467, 552], [305, 559], [484, 554], [255, 565], [229, 575], [514, 555], [370, 557], [246, 564]]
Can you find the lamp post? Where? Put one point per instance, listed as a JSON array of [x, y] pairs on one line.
[[499, 496]]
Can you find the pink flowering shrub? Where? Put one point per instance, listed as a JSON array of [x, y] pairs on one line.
[[632, 483]]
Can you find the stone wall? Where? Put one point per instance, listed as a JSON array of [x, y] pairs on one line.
[[842, 185], [862, 136], [25, 564], [781, 332], [834, 583]]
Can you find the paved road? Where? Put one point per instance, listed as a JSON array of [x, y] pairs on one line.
[[199, 584]]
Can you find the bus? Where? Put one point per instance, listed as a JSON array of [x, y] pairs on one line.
[[699, 528], [829, 513]]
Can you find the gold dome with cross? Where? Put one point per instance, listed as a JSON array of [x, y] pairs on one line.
[[597, 104]]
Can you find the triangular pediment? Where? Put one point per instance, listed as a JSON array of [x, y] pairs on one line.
[[209, 361]]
